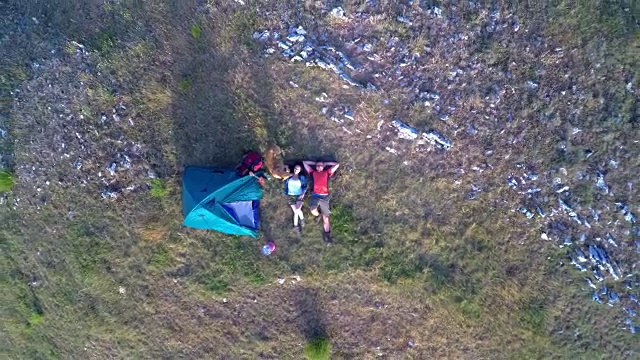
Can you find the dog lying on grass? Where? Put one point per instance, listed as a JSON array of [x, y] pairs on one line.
[[274, 164]]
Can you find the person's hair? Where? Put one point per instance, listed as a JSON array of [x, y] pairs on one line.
[[292, 168]]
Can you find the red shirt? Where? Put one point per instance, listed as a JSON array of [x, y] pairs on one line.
[[321, 181]]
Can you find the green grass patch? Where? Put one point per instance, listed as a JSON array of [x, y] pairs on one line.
[[26, 309], [214, 283], [239, 26], [246, 109], [127, 64], [468, 307], [583, 20], [101, 97], [463, 300], [357, 249], [19, 73], [438, 275], [196, 31], [185, 83], [7, 180], [10, 79], [397, 265], [317, 349], [533, 315], [158, 188], [585, 192], [343, 223], [161, 257], [35, 319], [235, 260], [460, 270], [154, 98], [70, 48], [103, 41], [628, 109], [471, 17], [86, 111], [89, 250], [393, 26]]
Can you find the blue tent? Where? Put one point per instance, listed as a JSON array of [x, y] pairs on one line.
[[221, 200]]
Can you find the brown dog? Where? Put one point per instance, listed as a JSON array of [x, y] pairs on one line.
[[273, 162]]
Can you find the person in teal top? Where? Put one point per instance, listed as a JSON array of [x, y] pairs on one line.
[[295, 186]]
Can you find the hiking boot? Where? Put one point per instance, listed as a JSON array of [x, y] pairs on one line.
[[301, 223], [296, 230], [326, 236]]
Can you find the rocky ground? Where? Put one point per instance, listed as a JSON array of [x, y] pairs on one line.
[[433, 64]]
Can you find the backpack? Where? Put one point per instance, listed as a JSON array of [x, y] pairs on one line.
[[252, 161]]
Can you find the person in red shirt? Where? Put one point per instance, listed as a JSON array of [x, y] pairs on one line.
[[320, 194]]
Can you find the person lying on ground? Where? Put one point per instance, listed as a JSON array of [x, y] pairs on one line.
[[320, 193], [295, 186]]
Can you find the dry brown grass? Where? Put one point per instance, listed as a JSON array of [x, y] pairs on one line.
[[413, 260], [153, 233]]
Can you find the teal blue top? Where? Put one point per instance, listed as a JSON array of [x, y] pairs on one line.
[[295, 187]]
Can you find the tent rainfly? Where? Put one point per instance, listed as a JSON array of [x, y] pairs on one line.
[[220, 200]]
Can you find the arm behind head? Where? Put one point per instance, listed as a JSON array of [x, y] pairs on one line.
[[308, 165], [334, 168]]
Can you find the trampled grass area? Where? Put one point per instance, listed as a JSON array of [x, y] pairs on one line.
[[417, 270]]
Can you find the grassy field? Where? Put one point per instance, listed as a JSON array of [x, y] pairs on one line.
[[417, 271]]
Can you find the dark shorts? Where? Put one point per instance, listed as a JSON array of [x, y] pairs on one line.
[[322, 202], [293, 199]]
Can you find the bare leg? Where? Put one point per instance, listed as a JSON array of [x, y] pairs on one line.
[[299, 210], [295, 215], [315, 212], [325, 220]]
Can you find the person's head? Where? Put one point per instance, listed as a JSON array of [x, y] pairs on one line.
[[297, 169], [319, 166]]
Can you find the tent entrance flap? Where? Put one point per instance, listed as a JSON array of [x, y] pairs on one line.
[[244, 212]]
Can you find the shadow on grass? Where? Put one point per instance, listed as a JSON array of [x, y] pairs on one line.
[[222, 103], [311, 320]]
